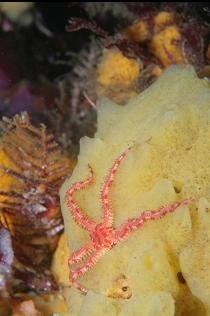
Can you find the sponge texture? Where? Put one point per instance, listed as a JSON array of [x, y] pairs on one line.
[[165, 263]]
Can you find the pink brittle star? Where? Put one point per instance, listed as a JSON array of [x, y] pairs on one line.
[[104, 236]]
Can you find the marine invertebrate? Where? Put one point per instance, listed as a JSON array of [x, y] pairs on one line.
[[117, 76], [76, 24], [73, 115], [6, 260], [170, 38], [29, 205], [103, 235], [169, 125], [155, 36], [102, 9]]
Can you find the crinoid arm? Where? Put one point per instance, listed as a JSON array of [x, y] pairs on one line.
[[29, 204]]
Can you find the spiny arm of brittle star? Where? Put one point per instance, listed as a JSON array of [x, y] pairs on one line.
[[79, 218], [146, 216], [106, 206], [79, 286], [79, 254], [87, 266]]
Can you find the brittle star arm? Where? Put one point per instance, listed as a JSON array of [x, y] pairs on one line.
[[79, 218], [80, 271], [79, 254], [136, 223], [106, 205]]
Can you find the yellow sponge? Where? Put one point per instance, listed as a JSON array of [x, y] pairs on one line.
[[169, 127], [116, 75]]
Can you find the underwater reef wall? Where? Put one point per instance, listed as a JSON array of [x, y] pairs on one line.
[[163, 267]]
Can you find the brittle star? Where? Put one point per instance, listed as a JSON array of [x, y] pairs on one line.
[[104, 236]]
